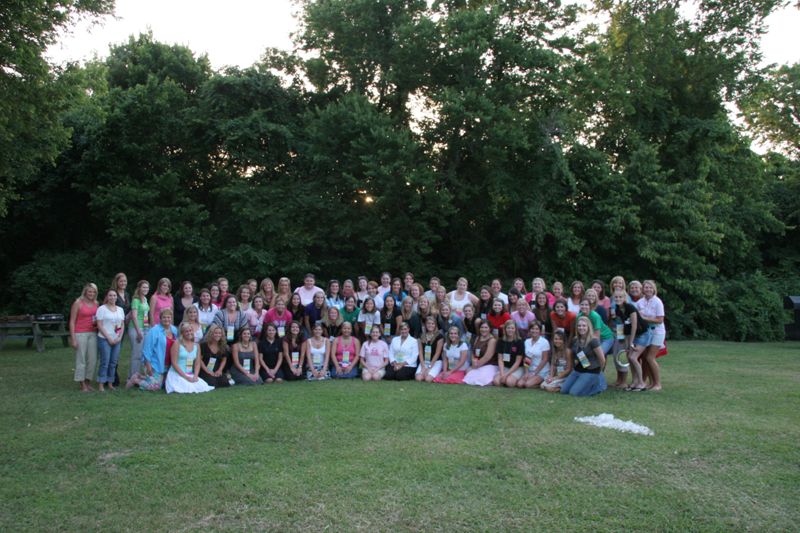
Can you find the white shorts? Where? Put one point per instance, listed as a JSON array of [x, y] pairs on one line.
[[434, 371], [380, 373], [657, 339], [518, 373]]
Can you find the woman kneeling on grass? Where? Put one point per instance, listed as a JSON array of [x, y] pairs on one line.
[[455, 362], [588, 362], [156, 344], [537, 357], [403, 355], [344, 354], [430, 342], [483, 365], [560, 364], [510, 350], [244, 369], [183, 373], [375, 354]]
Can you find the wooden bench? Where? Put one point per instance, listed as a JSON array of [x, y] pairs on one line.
[[34, 329]]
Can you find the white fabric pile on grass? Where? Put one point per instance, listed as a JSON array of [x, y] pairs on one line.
[[606, 420]]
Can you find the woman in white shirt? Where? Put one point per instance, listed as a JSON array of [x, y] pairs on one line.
[[369, 318], [110, 321], [651, 310], [537, 357], [206, 310], [403, 355], [455, 360]]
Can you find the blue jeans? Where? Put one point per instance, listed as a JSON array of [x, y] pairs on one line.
[[347, 373], [584, 384], [606, 345], [109, 357]]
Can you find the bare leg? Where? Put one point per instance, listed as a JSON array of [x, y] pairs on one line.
[[636, 367], [655, 370]]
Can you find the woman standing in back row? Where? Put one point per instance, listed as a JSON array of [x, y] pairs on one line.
[[110, 321], [83, 335], [139, 325], [161, 299]]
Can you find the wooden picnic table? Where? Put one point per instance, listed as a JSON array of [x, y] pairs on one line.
[[34, 329]]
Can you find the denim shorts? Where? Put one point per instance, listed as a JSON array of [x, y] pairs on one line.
[[643, 339]]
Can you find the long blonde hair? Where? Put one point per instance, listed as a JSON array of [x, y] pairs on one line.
[[88, 286]]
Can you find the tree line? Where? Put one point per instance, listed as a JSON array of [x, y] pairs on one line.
[[454, 137]]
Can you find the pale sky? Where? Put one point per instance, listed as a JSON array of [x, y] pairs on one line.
[[239, 33]]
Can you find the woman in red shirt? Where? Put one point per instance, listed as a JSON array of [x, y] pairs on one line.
[[497, 317], [562, 319]]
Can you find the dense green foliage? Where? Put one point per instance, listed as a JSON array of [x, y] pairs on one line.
[[400, 456], [31, 95], [450, 137]]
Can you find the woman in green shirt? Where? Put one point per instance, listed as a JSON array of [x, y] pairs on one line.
[[139, 324], [600, 330]]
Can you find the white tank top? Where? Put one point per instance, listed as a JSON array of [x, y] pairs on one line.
[[317, 354], [457, 306]]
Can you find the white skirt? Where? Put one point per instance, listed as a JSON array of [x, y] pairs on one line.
[[176, 383], [433, 372]]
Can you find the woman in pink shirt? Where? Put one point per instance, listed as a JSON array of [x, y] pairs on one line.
[[161, 299], [280, 316], [345, 354], [83, 335], [375, 354]]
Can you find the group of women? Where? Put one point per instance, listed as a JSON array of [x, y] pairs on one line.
[[395, 330]]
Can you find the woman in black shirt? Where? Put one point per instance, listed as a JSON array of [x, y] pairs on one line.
[[588, 362], [510, 351]]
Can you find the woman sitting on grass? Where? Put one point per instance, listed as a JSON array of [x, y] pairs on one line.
[[292, 347], [510, 350], [158, 340], [315, 353], [560, 363], [403, 355], [588, 362], [375, 354], [455, 361], [244, 355], [183, 373], [483, 368], [270, 351], [537, 357], [345, 354], [213, 356]]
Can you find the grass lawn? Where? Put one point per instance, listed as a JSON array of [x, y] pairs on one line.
[[406, 456]]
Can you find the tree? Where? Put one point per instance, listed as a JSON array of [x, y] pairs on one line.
[[30, 96], [772, 108]]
